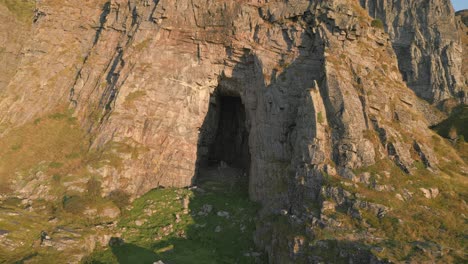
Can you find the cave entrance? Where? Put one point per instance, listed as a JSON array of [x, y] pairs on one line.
[[224, 142], [231, 144]]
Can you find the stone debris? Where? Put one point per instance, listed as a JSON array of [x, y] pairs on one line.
[[328, 206], [430, 193], [140, 222], [407, 195], [185, 204], [223, 214], [399, 197], [205, 210]]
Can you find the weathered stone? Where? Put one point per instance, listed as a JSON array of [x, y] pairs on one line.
[[328, 206], [430, 193], [223, 214], [314, 81], [110, 212], [429, 57]]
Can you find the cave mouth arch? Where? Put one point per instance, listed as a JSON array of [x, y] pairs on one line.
[[223, 148]]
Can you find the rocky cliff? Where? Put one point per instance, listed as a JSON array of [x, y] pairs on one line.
[[428, 46], [463, 31], [145, 82]]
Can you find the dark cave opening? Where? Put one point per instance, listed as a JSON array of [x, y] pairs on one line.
[[231, 144], [223, 149]]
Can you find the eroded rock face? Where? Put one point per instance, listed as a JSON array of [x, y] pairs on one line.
[[426, 41], [320, 88], [144, 73], [463, 31]]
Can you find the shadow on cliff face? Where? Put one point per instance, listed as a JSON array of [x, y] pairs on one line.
[[224, 142], [253, 138], [223, 149]]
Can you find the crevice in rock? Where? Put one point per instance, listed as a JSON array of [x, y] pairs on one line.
[[393, 154], [380, 131], [117, 70], [38, 14], [391, 150], [151, 15], [361, 95], [421, 154], [106, 9]]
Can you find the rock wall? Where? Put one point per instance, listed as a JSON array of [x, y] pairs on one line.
[[145, 74], [142, 73], [426, 41], [463, 31]]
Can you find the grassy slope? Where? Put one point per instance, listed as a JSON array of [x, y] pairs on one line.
[[51, 152], [414, 225], [22, 9], [191, 240], [53, 144], [65, 158]]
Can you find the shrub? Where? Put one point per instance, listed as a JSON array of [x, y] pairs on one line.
[[56, 177], [56, 165], [320, 117], [119, 198], [58, 116], [37, 121], [94, 188], [73, 204], [16, 147], [377, 23]]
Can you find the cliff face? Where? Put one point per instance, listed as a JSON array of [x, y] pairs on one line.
[[143, 74], [463, 31], [153, 76], [427, 43]]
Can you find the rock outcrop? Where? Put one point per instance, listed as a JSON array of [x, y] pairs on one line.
[[426, 41], [144, 74], [152, 75], [463, 31]]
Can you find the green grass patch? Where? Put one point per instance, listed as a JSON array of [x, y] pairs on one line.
[[377, 23], [320, 119], [158, 229]]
